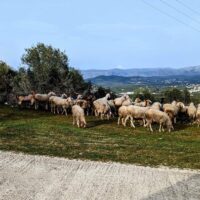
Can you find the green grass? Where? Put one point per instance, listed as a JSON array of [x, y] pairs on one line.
[[42, 133]]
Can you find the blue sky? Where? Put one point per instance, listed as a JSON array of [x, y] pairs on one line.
[[102, 34]]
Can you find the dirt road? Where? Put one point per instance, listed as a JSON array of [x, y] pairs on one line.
[[39, 177]]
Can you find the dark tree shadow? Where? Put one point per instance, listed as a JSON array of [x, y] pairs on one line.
[[98, 122]]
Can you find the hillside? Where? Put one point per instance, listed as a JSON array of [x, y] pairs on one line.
[[146, 72], [156, 81]]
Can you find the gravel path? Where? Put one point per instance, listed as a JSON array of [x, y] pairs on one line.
[[39, 177]]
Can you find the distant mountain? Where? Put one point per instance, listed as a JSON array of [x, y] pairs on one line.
[[156, 81], [145, 72]]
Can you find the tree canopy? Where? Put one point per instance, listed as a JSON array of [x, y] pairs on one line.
[[143, 94], [171, 94], [6, 80], [43, 69], [47, 67]]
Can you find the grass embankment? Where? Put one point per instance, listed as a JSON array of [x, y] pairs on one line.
[[43, 133]]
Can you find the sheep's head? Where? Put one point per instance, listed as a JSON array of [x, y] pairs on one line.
[[108, 96], [70, 101], [148, 102], [169, 125], [191, 104], [82, 103], [138, 100], [181, 107], [126, 97], [79, 96], [51, 94], [64, 96], [174, 103]]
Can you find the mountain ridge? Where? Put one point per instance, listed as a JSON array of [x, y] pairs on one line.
[[144, 72], [155, 81]]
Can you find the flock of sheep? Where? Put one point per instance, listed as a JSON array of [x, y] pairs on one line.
[[147, 112]]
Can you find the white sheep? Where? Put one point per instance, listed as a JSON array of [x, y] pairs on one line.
[[144, 103], [181, 107], [136, 112], [127, 102], [160, 117], [172, 110], [63, 103], [52, 105], [137, 100], [119, 100], [101, 107], [198, 115], [122, 114], [112, 107], [156, 105], [78, 116], [83, 104], [42, 98], [191, 111]]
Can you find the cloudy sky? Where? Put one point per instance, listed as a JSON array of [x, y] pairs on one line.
[[104, 34]]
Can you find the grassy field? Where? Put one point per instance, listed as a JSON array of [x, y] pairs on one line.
[[38, 132]]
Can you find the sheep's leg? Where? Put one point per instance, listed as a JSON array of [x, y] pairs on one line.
[[46, 106], [147, 124], [78, 122], [57, 110], [95, 113], [66, 111], [36, 105], [150, 127], [125, 121], [51, 106], [73, 120], [160, 127], [63, 110], [118, 122], [144, 122], [84, 122], [132, 123], [174, 120], [163, 130], [193, 121], [54, 108], [107, 116]]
